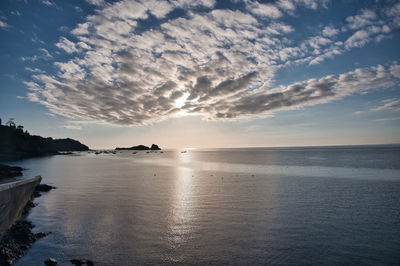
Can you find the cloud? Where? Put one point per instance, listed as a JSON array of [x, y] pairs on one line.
[[218, 63], [395, 70], [16, 13], [369, 26], [34, 70], [72, 127], [313, 4], [297, 95], [4, 25], [44, 55], [265, 10], [193, 3], [36, 39], [394, 13], [66, 45], [50, 3], [358, 39], [78, 9], [392, 105], [96, 2], [329, 31], [286, 5], [366, 17], [29, 58], [387, 119], [47, 3]]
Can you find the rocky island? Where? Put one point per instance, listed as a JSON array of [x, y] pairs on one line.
[[154, 147]]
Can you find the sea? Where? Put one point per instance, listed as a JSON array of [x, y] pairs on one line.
[[240, 206]]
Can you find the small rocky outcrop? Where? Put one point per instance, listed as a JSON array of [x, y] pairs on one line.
[[42, 188], [9, 171], [154, 147], [50, 262], [78, 262]]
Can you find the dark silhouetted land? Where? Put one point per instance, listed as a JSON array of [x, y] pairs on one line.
[[16, 144], [153, 147]]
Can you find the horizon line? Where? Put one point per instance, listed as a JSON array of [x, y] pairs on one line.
[[270, 147]]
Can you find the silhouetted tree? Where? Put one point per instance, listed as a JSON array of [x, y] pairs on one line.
[[20, 129], [11, 123]]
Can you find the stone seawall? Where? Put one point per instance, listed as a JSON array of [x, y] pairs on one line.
[[13, 197]]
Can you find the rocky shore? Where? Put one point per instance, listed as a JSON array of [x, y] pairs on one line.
[[17, 239], [16, 144], [7, 172]]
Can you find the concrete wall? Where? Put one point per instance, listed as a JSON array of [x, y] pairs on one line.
[[13, 197]]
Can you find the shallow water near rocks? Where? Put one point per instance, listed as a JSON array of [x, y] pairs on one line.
[[332, 205]]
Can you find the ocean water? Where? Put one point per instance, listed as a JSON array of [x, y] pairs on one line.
[[289, 206]]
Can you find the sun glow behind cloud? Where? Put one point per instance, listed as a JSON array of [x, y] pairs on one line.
[[180, 102]]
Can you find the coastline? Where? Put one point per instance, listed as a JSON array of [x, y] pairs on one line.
[[16, 200]]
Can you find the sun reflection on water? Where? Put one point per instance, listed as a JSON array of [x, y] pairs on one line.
[[183, 206]]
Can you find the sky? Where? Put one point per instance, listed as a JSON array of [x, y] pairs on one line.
[[203, 73]]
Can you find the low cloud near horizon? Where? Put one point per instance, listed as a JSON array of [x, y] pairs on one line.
[[217, 63]]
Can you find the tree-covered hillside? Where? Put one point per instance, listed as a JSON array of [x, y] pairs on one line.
[[14, 140]]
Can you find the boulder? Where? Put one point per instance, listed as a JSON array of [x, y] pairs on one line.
[[155, 147], [50, 262]]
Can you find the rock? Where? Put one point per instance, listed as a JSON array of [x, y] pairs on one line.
[[16, 168], [66, 153], [78, 262], [41, 234], [154, 147], [28, 206], [10, 171], [44, 188], [50, 262]]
